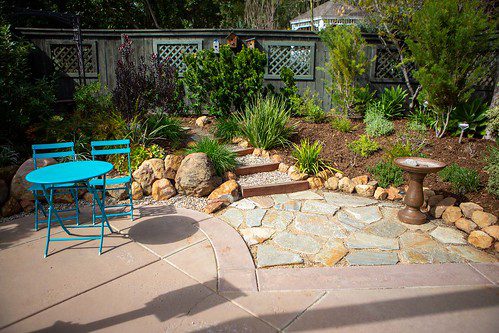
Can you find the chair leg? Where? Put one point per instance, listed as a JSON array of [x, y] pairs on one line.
[[36, 211], [74, 192], [129, 187]]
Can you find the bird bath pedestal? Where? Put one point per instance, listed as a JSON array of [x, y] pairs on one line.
[[417, 168]]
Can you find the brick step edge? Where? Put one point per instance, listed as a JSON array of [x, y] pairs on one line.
[[244, 151], [251, 169], [279, 188]]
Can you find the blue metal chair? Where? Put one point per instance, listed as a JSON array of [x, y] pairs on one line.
[[54, 150], [106, 148]]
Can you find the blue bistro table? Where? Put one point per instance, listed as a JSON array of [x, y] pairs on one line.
[[80, 172]]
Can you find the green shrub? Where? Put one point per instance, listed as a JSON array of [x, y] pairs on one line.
[[420, 120], [492, 168], [342, 124], [493, 123], [473, 113], [310, 109], [363, 146], [463, 180], [307, 157], [223, 83], [222, 157], [387, 173], [227, 128], [289, 91], [377, 124], [167, 128], [138, 154], [392, 101], [402, 148], [363, 96], [347, 62], [264, 123]]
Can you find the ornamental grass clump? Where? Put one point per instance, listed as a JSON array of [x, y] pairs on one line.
[[264, 123], [227, 128], [221, 156], [307, 157]]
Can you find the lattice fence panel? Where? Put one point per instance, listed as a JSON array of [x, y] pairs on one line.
[[487, 82], [298, 58], [386, 66], [65, 58], [174, 53]]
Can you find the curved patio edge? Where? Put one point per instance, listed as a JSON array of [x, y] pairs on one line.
[[237, 272]]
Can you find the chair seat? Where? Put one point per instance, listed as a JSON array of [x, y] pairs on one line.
[[38, 187], [110, 181]]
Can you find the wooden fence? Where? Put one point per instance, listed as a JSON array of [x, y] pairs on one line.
[[301, 51]]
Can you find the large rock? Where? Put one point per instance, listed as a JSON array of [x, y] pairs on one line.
[[158, 167], [483, 219], [365, 190], [451, 215], [163, 189], [440, 207], [4, 192], [19, 185], [332, 183], [315, 182], [117, 191], [346, 185], [361, 180], [229, 187], [393, 193], [465, 225], [380, 194], [11, 207], [469, 207], [172, 163], [8, 172], [298, 175], [137, 192], [493, 231], [144, 176], [196, 176], [480, 239]]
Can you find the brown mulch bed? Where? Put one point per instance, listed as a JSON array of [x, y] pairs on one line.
[[470, 154]]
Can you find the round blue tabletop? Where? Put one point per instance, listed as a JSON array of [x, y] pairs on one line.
[[69, 172]]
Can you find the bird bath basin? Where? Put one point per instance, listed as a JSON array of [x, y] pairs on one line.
[[417, 168]]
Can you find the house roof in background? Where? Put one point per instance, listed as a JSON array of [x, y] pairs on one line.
[[331, 9]]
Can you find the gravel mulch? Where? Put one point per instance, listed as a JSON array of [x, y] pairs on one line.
[[263, 178], [252, 160], [179, 201]]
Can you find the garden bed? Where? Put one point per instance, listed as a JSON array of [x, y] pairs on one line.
[[469, 154]]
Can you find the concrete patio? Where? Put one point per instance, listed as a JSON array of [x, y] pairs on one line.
[[178, 270]]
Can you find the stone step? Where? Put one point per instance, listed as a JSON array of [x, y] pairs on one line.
[[279, 188], [244, 151], [251, 169]]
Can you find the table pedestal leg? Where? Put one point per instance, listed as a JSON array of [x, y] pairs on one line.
[[414, 200]]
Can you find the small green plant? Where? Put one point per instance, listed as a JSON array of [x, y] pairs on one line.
[[265, 123], [387, 173], [223, 158], [473, 113], [227, 128], [363, 96], [167, 128], [492, 168], [377, 124], [138, 154], [392, 102], [363, 146], [307, 157], [310, 109], [463, 180], [342, 124], [402, 148], [420, 120]]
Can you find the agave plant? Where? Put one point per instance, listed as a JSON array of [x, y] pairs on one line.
[[474, 114]]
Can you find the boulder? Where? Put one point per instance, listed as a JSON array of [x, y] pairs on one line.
[[480, 239], [332, 183], [361, 180], [201, 121], [298, 175], [11, 207], [196, 176], [492, 230], [451, 215], [283, 167], [144, 176], [393, 193], [213, 207], [27, 205], [440, 207], [469, 207], [380, 194], [345, 184], [483, 219], [19, 185], [162, 189], [4, 192], [496, 246], [325, 174], [229, 187], [65, 198], [137, 192], [276, 158], [158, 167], [172, 163], [365, 190], [315, 182], [465, 225], [119, 194]]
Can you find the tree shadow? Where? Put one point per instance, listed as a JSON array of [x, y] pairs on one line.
[[163, 229]]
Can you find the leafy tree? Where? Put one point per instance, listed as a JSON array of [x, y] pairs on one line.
[[347, 62], [447, 40], [391, 19]]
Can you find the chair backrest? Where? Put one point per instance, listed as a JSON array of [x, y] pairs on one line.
[[112, 147], [53, 150]]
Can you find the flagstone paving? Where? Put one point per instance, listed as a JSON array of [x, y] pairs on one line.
[[321, 228]]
